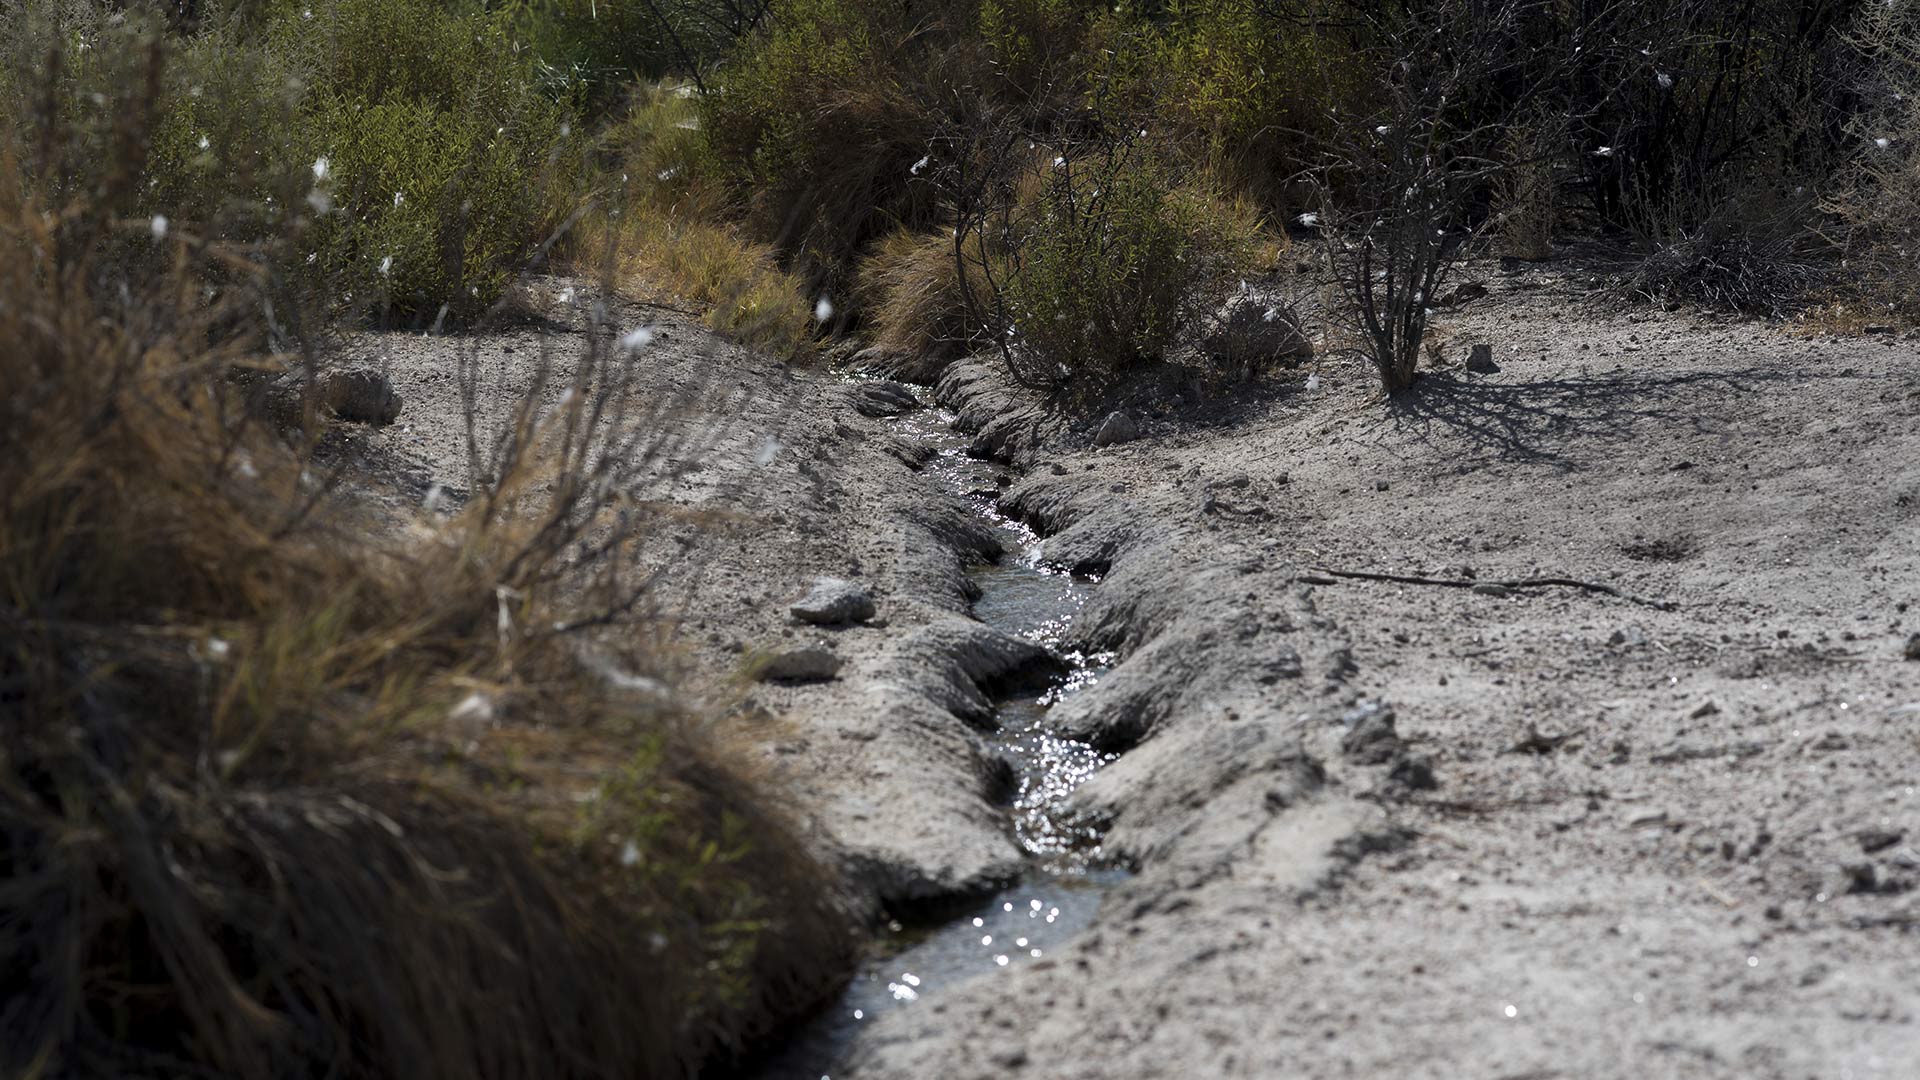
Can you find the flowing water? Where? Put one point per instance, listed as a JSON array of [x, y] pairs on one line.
[[1062, 890]]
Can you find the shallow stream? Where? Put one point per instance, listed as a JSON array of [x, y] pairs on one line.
[[1064, 885]]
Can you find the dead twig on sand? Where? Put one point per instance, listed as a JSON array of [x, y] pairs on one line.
[[1507, 583]]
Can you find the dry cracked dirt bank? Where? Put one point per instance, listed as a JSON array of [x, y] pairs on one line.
[[1376, 828]]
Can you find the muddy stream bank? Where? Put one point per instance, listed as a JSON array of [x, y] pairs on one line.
[[1037, 769]]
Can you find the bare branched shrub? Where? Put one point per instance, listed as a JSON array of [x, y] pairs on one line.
[[1875, 198], [1397, 181]]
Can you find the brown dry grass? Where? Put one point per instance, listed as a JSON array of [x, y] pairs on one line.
[[735, 285], [282, 792], [909, 290], [669, 237]]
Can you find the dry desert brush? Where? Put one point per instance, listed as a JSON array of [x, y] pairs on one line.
[[1397, 182], [288, 791]]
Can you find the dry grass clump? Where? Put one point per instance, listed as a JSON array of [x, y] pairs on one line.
[[284, 794], [667, 234], [737, 284], [1743, 256], [910, 291]]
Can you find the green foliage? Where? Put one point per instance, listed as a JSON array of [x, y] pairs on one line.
[[1117, 260], [818, 133], [1036, 43], [439, 148], [660, 150], [1252, 95]]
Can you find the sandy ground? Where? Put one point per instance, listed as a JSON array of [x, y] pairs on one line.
[[1662, 842], [1657, 842], [762, 477]]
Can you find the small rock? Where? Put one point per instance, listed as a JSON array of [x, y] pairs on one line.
[[881, 398], [1862, 877], [1413, 772], [1647, 818], [809, 663], [1117, 428], [1630, 636], [1380, 485], [1480, 360], [1706, 708], [1877, 328], [1370, 738], [1488, 588], [832, 601], [1913, 648], [1831, 742], [1873, 840], [1013, 1058]]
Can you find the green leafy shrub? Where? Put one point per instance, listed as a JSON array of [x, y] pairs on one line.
[[400, 155], [438, 149], [819, 134], [1116, 259], [659, 151], [1038, 45]]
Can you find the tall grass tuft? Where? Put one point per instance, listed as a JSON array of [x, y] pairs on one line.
[[287, 790]]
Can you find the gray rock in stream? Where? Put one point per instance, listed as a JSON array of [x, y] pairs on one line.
[[834, 601], [881, 398]]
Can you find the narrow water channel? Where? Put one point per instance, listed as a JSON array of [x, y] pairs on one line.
[[1063, 887]]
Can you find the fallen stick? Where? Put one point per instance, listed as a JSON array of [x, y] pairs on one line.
[[1509, 583]]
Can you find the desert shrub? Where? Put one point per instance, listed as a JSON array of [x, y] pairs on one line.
[[660, 230], [1037, 47], [658, 149], [820, 120], [1745, 257], [1114, 260], [284, 791], [438, 149], [1259, 87], [1676, 104], [405, 141], [737, 284], [1874, 200], [911, 291], [609, 46]]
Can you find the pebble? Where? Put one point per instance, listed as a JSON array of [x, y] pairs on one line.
[[832, 601]]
